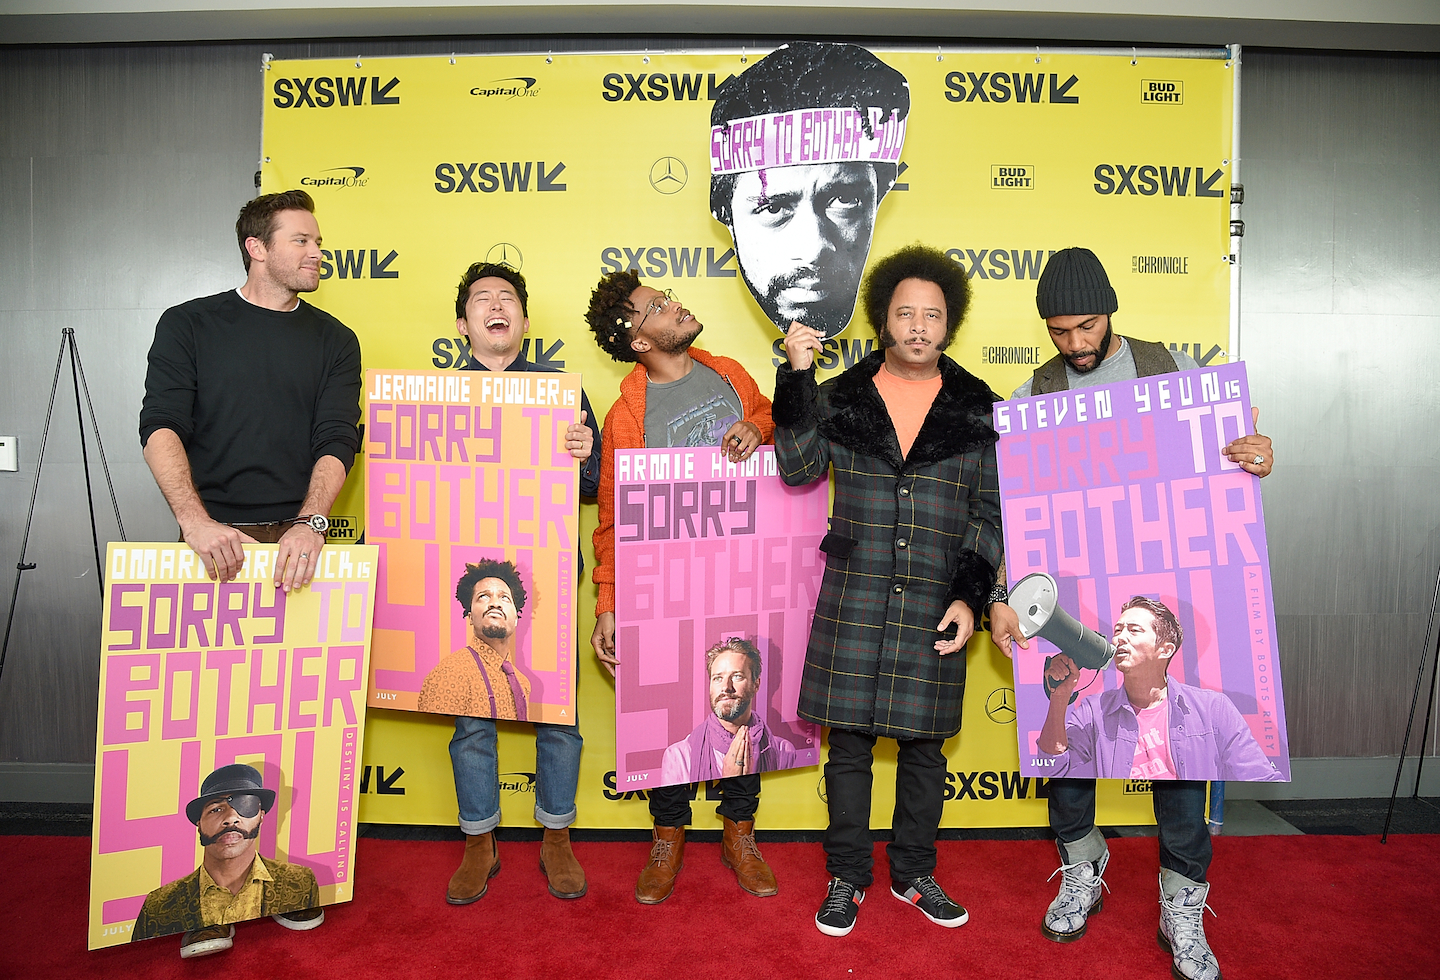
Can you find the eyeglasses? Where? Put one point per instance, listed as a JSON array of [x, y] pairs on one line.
[[658, 305]]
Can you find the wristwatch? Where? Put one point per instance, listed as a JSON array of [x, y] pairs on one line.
[[318, 523], [997, 594]]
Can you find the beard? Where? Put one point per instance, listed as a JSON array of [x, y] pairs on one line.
[[494, 632], [740, 707], [1099, 355], [677, 341], [827, 317], [251, 834]]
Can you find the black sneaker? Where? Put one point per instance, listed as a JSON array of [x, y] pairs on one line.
[[842, 903], [930, 898]]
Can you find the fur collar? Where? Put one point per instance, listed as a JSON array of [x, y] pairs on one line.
[[959, 420]]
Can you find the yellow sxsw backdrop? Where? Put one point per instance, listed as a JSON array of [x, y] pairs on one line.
[[427, 157]]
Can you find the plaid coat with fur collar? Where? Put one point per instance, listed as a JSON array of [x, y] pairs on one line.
[[907, 537]]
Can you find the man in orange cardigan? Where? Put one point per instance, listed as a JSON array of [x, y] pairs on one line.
[[675, 396]]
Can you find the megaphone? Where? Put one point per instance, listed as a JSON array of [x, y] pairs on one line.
[[1036, 600]]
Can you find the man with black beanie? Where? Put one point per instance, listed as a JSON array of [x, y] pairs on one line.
[[1076, 301]]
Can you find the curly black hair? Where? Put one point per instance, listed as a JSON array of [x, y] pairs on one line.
[[486, 270], [505, 571], [610, 309], [914, 262]]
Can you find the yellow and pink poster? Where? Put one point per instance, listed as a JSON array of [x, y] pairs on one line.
[[231, 721], [473, 500]]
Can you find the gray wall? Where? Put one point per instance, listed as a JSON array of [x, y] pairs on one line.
[[121, 170]]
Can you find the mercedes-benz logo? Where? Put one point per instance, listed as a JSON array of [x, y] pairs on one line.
[[505, 254], [668, 175], [1000, 706], [821, 792]]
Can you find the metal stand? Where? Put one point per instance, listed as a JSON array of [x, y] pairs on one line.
[[77, 377], [1414, 701]]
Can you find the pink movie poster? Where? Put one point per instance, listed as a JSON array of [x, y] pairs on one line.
[[1136, 559], [717, 569]]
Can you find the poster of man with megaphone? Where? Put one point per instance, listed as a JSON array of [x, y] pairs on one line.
[[1137, 564]]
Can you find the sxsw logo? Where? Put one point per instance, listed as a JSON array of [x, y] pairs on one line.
[[658, 262], [656, 87], [1150, 180], [1000, 263], [509, 88], [833, 353], [993, 785], [385, 783], [489, 177], [1155, 91], [1012, 177], [349, 263], [455, 352], [322, 93], [337, 177], [966, 86]]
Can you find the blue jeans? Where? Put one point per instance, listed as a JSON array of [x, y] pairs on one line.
[[477, 774], [1179, 813]]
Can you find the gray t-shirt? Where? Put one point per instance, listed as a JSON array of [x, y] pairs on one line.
[[697, 410], [1118, 367]]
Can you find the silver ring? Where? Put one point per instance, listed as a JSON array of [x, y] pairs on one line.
[[1259, 460], [305, 556]]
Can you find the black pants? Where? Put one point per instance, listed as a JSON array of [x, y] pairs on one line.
[[1179, 813], [919, 801], [739, 799]]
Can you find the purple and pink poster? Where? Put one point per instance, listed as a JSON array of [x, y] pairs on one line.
[[717, 569], [1136, 557]]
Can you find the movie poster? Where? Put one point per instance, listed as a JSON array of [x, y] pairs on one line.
[[717, 569], [237, 692], [1137, 561], [474, 502]]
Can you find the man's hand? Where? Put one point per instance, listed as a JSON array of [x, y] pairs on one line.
[[1063, 672], [801, 345], [579, 440], [740, 440], [737, 759], [1247, 449], [1005, 629], [603, 640], [298, 557], [964, 619], [219, 547]]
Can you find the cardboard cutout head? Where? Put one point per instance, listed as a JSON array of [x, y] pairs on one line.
[[804, 145]]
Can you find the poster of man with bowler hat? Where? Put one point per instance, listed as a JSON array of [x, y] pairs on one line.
[[234, 882]]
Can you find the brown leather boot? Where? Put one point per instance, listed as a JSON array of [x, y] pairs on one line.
[[667, 857], [480, 864], [557, 863], [739, 853]]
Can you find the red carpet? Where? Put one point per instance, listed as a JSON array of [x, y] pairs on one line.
[[1303, 907]]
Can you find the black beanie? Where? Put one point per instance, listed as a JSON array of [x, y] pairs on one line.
[[1074, 283]]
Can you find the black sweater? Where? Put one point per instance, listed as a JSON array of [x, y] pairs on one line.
[[256, 397]]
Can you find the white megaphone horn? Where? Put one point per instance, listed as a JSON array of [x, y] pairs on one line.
[[1036, 600]]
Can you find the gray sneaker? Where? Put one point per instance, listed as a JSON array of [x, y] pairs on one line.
[[1182, 933], [1081, 894]]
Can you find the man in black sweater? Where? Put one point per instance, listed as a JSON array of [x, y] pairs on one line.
[[251, 402]]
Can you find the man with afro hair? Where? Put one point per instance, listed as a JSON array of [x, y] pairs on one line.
[[910, 563]]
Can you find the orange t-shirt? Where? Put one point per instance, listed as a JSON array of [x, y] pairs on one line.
[[908, 402]]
